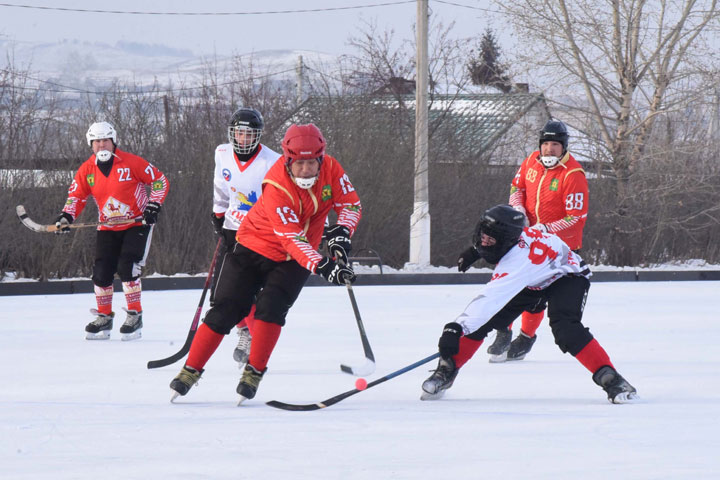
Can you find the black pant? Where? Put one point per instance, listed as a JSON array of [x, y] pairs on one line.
[[246, 277], [122, 252], [565, 300]]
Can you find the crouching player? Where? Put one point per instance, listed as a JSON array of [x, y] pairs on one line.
[[530, 267]]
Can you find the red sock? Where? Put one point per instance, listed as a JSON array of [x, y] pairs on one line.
[[103, 297], [264, 337], [249, 320], [531, 322], [593, 356], [133, 291], [468, 347], [203, 346]]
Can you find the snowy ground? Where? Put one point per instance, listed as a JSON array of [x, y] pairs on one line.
[[73, 409]]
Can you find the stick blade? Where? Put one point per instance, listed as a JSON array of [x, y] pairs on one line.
[[294, 407], [361, 371], [30, 223]]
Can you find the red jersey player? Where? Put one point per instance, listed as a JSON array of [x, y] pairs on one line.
[[118, 181], [550, 188], [275, 253]]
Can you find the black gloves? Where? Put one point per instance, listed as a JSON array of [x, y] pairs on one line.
[[467, 258], [334, 272], [338, 241], [217, 223], [449, 343], [62, 223], [150, 213]]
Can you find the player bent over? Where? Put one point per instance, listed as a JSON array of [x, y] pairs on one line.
[[531, 267], [276, 252], [118, 181]]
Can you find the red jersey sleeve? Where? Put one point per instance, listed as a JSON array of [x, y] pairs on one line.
[[517, 187], [78, 192], [346, 202]]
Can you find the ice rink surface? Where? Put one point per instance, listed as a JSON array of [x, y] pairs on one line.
[[75, 409]]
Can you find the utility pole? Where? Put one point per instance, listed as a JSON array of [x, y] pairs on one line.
[[420, 219], [299, 73]]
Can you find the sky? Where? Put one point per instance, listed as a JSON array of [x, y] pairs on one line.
[[323, 31], [75, 409]]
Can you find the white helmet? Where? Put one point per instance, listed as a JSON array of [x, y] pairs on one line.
[[100, 130]]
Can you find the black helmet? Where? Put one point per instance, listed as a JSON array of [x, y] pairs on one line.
[[504, 224], [554, 131], [250, 122]]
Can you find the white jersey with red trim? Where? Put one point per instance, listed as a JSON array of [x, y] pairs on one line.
[[237, 185], [535, 262]]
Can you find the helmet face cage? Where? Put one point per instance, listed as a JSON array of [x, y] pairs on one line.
[[502, 223], [100, 131], [244, 139], [246, 128]]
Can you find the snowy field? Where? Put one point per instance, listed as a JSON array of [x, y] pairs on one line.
[[73, 409]]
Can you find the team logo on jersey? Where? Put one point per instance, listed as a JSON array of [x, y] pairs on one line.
[[326, 193], [115, 209], [352, 208], [91, 179], [554, 185], [301, 238], [246, 201], [226, 174], [157, 185]]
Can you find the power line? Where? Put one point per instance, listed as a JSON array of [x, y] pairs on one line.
[[268, 12]]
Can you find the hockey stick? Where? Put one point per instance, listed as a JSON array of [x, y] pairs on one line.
[[369, 366], [338, 398], [196, 319], [37, 227]]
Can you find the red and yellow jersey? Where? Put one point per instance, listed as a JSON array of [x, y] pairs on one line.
[[122, 195], [287, 221], [557, 197]]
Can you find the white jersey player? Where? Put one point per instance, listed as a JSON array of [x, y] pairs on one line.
[[240, 167], [531, 267]]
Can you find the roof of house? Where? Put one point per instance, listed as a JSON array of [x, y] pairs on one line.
[[480, 118]]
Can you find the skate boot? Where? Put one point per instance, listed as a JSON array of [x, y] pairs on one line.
[[498, 350], [616, 387], [184, 381], [247, 388], [132, 328], [242, 351], [520, 347], [441, 379], [100, 328]]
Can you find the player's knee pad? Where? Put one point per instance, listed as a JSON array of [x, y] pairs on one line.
[[570, 336], [223, 315]]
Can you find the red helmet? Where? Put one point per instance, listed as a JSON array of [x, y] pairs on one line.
[[303, 141]]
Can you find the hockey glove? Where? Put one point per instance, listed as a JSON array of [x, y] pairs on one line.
[[338, 241], [522, 210], [150, 214], [467, 258], [334, 272], [449, 343], [540, 227], [217, 223], [62, 223]]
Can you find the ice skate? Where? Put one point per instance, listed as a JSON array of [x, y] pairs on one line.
[[441, 379], [242, 351], [100, 328], [249, 382], [499, 349], [520, 347], [617, 388], [132, 328], [184, 381]]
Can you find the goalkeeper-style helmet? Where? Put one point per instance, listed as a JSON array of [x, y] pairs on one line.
[[504, 224], [246, 128]]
